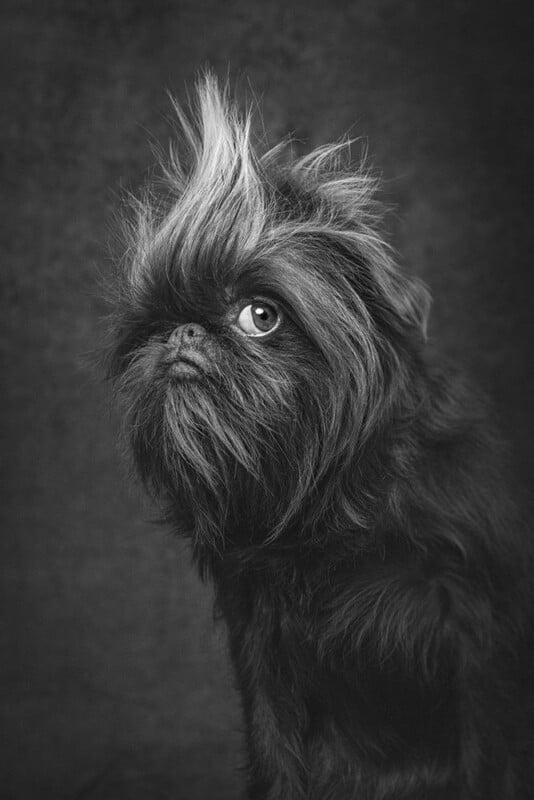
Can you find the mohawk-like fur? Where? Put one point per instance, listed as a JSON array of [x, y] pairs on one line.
[[342, 490], [227, 202]]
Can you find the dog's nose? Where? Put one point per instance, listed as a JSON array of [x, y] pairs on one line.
[[188, 334]]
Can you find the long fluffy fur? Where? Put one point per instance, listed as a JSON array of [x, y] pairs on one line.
[[339, 486]]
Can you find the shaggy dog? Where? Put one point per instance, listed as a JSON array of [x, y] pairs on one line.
[[339, 486]]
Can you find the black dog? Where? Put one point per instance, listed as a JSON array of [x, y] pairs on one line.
[[337, 484]]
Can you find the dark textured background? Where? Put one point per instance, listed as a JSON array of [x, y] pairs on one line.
[[114, 680]]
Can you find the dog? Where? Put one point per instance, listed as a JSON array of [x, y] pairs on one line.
[[339, 484]]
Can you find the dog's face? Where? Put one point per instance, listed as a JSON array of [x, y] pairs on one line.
[[260, 332]]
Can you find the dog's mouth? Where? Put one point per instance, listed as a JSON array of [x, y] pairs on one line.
[[186, 368]]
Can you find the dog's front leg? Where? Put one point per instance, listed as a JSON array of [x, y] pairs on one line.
[[276, 768]]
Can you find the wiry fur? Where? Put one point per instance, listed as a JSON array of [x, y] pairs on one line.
[[341, 489]]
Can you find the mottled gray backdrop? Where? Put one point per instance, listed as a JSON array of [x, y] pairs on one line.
[[115, 682]]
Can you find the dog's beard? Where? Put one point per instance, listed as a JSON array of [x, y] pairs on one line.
[[241, 447]]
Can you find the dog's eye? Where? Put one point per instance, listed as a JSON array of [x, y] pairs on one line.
[[258, 319]]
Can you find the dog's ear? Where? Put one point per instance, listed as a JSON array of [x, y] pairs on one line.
[[407, 296], [395, 300], [349, 213]]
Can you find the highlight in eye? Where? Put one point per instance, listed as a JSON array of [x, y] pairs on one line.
[[259, 318]]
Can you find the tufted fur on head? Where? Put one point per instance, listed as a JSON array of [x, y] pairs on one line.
[[339, 484]]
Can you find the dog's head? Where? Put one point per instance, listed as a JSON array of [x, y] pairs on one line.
[[261, 331]]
